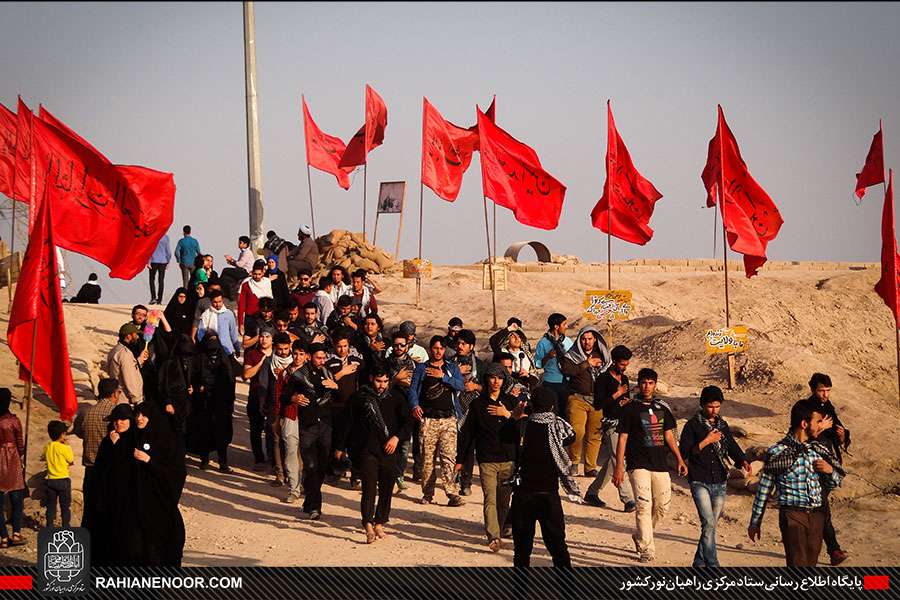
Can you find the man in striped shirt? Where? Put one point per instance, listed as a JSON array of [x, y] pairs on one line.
[[799, 471]]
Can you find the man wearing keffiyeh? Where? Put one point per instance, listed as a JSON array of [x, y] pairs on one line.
[[800, 471], [542, 463]]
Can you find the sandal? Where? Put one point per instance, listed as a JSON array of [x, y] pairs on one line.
[[17, 540], [370, 534], [379, 531], [495, 545], [4, 543]]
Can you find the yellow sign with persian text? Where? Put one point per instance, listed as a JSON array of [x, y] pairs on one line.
[[412, 269], [607, 305], [730, 340]]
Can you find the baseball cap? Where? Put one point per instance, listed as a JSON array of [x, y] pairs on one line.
[[455, 324]]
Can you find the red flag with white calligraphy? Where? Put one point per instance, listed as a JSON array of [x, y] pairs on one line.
[[446, 152], [890, 260], [324, 151], [751, 218], [37, 318], [370, 135], [115, 214], [8, 126], [873, 170], [628, 199], [24, 133], [512, 176]]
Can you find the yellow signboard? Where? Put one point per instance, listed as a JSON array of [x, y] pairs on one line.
[[413, 268], [499, 277], [727, 341], [606, 305]]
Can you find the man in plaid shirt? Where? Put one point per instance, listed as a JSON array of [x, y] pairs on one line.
[[799, 470]]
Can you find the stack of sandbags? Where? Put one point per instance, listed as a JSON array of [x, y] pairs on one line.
[[349, 250], [565, 259]]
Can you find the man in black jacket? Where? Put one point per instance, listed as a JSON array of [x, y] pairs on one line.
[[611, 395], [472, 369], [489, 430], [707, 444], [542, 463], [380, 422], [311, 387], [347, 367], [836, 438]]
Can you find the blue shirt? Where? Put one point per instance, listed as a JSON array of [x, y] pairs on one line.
[[163, 254], [552, 374], [799, 487], [452, 376], [226, 329], [186, 251]]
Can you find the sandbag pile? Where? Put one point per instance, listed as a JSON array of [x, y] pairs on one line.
[[349, 250]]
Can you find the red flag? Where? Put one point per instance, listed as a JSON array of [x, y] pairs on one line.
[[37, 317], [512, 176], [115, 214], [324, 151], [23, 174], [370, 135], [751, 218], [47, 117], [890, 261], [628, 199], [490, 113], [8, 126], [446, 152], [873, 170]]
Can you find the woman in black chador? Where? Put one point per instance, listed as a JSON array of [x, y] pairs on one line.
[[212, 404]]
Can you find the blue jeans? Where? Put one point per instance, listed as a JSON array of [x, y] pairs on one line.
[[17, 499], [710, 500]]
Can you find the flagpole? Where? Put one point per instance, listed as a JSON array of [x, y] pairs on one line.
[[375, 234], [29, 392], [364, 201], [495, 233], [254, 176], [312, 212], [487, 234], [419, 270], [884, 184], [715, 228], [731, 381], [608, 247], [12, 245]]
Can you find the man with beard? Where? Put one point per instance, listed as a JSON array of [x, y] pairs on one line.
[[310, 331], [380, 423], [434, 402], [254, 362], [472, 369], [219, 320], [341, 316], [288, 360], [305, 290], [490, 431], [800, 471], [122, 365], [346, 365], [311, 388], [552, 347], [454, 326], [264, 319], [363, 294], [611, 395], [400, 367], [371, 343], [254, 288], [322, 299]]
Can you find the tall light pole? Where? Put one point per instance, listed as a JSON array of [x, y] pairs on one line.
[[253, 162]]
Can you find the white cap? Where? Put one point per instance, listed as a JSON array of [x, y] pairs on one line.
[[305, 230]]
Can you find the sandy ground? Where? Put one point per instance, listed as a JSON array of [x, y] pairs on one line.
[[800, 321]]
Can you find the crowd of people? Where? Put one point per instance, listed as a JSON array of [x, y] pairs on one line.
[[336, 395]]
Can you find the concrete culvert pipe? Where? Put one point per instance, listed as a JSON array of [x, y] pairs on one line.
[[542, 252]]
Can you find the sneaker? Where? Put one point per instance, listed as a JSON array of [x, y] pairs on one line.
[[593, 500], [837, 557], [355, 484], [456, 501], [630, 506], [315, 515], [225, 469], [401, 485], [291, 498], [465, 491]]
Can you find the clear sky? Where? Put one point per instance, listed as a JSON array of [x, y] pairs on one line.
[[162, 85]]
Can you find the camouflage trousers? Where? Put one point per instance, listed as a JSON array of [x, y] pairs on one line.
[[438, 440]]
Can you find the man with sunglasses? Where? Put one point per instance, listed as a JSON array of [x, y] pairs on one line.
[[400, 366]]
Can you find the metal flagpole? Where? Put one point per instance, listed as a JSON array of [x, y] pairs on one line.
[[365, 170], [609, 248], [884, 185], [715, 231], [731, 381], [419, 270], [375, 234], [495, 232], [12, 246], [487, 234], [312, 212], [253, 160]]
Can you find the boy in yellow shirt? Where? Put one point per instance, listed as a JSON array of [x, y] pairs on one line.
[[59, 457]]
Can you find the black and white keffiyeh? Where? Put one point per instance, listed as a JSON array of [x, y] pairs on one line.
[[558, 431], [717, 425]]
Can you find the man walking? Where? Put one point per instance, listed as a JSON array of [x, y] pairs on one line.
[[646, 432], [800, 471], [836, 438], [186, 251], [489, 430], [220, 320], [707, 443], [159, 262], [433, 398], [550, 349], [542, 464], [122, 365], [472, 369], [611, 395]]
